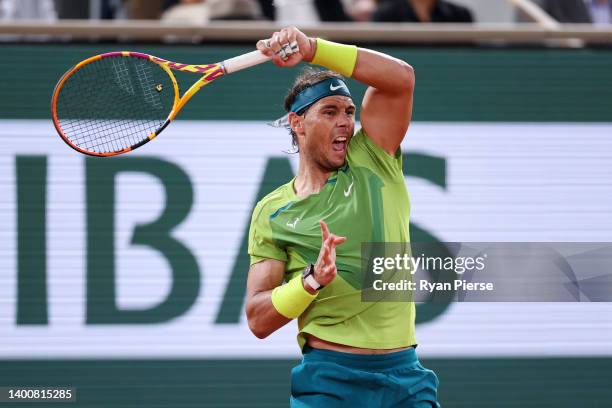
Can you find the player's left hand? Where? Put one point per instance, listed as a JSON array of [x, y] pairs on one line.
[[325, 269], [288, 47]]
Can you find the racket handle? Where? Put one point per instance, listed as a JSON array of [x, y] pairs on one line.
[[244, 61]]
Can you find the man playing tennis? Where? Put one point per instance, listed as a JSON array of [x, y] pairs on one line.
[[356, 353]]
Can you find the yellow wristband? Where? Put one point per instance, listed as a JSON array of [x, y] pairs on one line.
[[337, 57], [291, 299]]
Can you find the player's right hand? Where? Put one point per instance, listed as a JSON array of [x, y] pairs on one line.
[[288, 47], [325, 269]]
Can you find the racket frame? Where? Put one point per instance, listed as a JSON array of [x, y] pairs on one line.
[[208, 72]]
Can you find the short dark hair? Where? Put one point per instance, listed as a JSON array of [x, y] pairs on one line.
[[309, 76]]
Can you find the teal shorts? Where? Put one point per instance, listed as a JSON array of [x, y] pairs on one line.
[[330, 379]]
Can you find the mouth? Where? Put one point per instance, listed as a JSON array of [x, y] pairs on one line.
[[339, 144]]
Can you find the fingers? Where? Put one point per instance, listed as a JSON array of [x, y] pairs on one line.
[[338, 240], [324, 230], [328, 248], [328, 251], [325, 268], [287, 43], [276, 43], [283, 47], [264, 47], [291, 33], [326, 254]]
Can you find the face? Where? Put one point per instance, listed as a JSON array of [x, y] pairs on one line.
[[324, 131]]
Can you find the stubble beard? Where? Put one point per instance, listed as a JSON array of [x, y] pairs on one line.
[[326, 164]]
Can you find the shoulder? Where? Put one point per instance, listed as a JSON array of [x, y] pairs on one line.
[[272, 202], [362, 141], [364, 152], [262, 242]]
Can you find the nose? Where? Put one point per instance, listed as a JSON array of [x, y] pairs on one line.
[[344, 120]]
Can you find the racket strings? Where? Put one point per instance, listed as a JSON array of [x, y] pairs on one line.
[[151, 96], [125, 129], [114, 103], [107, 135]]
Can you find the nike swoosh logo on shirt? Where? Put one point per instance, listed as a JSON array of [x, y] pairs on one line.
[[347, 192]]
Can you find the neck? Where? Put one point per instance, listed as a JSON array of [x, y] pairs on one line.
[[309, 180]]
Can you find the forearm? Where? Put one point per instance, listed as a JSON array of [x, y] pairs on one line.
[[378, 70], [269, 310], [263, 318], [383, 72]]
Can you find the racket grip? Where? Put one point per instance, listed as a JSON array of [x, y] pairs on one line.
[[244, 61]]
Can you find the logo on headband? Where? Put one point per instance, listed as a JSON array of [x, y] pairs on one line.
[[333, 87]]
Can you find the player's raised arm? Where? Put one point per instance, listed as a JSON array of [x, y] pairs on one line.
[[387, 106]]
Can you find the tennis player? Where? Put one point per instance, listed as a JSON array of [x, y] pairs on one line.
[[307, 233]]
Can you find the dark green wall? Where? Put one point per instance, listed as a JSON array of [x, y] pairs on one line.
[[491, 383], [453, 84]]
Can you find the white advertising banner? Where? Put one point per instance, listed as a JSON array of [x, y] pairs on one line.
[[494, 182]]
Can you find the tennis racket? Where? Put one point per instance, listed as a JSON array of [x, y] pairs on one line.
[[113, 103]]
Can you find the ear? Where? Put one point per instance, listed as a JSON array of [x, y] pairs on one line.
[[296, 123]]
